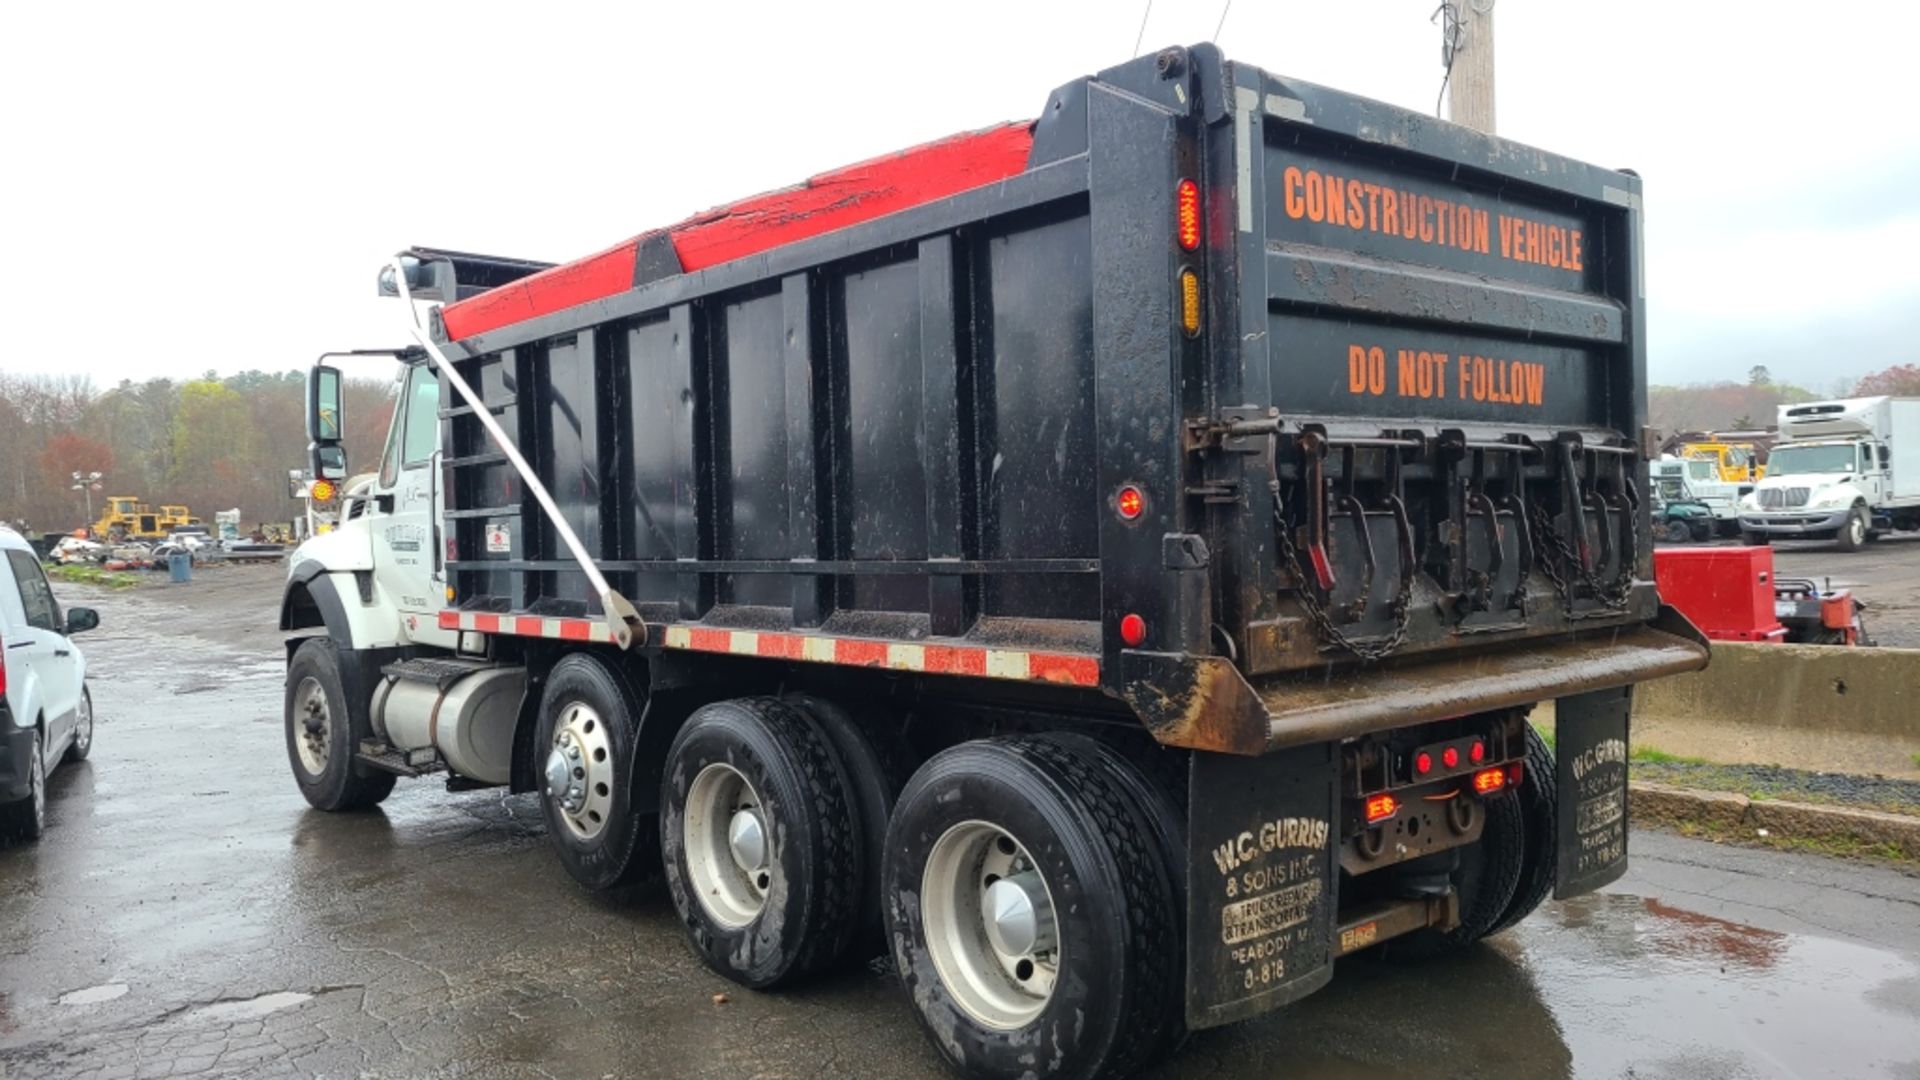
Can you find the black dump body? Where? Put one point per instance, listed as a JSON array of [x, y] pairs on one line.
[[1396, 475]]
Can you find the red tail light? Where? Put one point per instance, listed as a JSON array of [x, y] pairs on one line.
[[1450, 757], [1478, 752], [1187, 203], [1130, 502], [1133, 629], [1381, 807], [1423, 763]]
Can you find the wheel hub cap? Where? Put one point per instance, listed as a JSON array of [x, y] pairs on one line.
[[1013, 910], [747, 838], [579, 770]]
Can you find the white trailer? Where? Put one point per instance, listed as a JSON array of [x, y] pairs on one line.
[[1848, 470]]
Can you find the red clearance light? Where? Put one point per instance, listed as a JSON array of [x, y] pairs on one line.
[[1187, 199], [1450, 757], [1478, 752], [1423, 763], [1487, 781], [1130, 502], [1133, 629], [1381, 807]]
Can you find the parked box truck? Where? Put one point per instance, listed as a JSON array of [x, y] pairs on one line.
[[1848, 470], [1109, 559]]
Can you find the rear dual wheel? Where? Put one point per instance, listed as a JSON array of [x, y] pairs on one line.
[[1035, 909]]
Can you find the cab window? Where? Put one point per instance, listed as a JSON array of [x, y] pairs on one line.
[[423, 416], [36, 596]]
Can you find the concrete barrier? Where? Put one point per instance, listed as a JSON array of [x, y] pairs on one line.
[[1808, 706]]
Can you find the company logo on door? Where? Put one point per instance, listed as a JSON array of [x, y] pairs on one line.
[[406, 537]]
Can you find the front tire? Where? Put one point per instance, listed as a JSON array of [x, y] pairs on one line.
[[603, 833], [1853, 535], [322, 734], [1753, 539], [82, 743], [1033, 915], [762, 849]]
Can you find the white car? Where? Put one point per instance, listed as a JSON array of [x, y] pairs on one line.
[[46, 714]]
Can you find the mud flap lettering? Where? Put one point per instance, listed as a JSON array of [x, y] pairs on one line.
[[1261, 897], [1590, 748]]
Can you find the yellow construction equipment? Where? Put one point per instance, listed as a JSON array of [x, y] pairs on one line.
[[1736, 462], [125, 517]]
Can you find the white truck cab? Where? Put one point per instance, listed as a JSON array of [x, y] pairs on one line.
[[1848, 470]]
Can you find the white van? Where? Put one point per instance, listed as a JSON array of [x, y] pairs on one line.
[[46, 714]]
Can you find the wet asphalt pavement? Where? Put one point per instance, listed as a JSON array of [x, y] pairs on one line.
[[187, 914]]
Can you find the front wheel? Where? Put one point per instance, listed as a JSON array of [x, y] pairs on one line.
[[82, 744], [1034, 919], [1752, 539], [321, 735], [1853, 535]]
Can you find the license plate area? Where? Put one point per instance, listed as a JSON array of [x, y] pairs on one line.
[[1590, 748], [1261, 838]]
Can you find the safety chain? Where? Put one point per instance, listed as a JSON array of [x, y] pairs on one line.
[[1613, 596], [1366, 650]]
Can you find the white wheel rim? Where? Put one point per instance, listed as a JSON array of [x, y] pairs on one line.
[[990, 925], [580, 770], [729, 842], [313, 725], [1857, 528]]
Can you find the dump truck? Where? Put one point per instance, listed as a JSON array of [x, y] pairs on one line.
[[1109, 560]]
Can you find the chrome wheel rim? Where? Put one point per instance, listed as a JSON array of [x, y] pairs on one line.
[[1856, 528], [313, 723], [729, 845], [579, 770], [990, 925], [83, 724]]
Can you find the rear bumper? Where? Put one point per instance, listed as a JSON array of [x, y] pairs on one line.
[[1810, 523], [1206, 704], [16, 751]]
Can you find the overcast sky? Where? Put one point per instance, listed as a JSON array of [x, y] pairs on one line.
[[213, 186]]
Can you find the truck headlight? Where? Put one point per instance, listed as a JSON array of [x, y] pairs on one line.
[[1830, 500]]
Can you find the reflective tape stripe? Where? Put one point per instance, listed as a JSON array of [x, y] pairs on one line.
[[1074, 669]]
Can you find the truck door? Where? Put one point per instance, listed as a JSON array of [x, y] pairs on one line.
[[404, 543]]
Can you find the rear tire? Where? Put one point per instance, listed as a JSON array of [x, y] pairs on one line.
[[323, 735], [1752, 539], [1540, 854], [878, 763], [763, 854], [1487, 879], [1096, 988], [26, 819], [601, 828]]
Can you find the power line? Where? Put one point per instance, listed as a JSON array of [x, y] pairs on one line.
[[1142, 35], [1224, 8], [1451, 33]]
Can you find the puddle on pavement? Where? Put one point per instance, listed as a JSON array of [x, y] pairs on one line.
[[1650, 989], [228, 1012], [93, 995]]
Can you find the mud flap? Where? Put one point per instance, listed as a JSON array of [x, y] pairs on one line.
[[1262, 841], [1590, 754]]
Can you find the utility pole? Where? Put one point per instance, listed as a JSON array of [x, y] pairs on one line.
[[1470, 74], [88, 483]]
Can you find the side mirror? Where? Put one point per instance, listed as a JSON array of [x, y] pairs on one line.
[[81, 618], [326, 457], [323, 404], [329, 462]]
